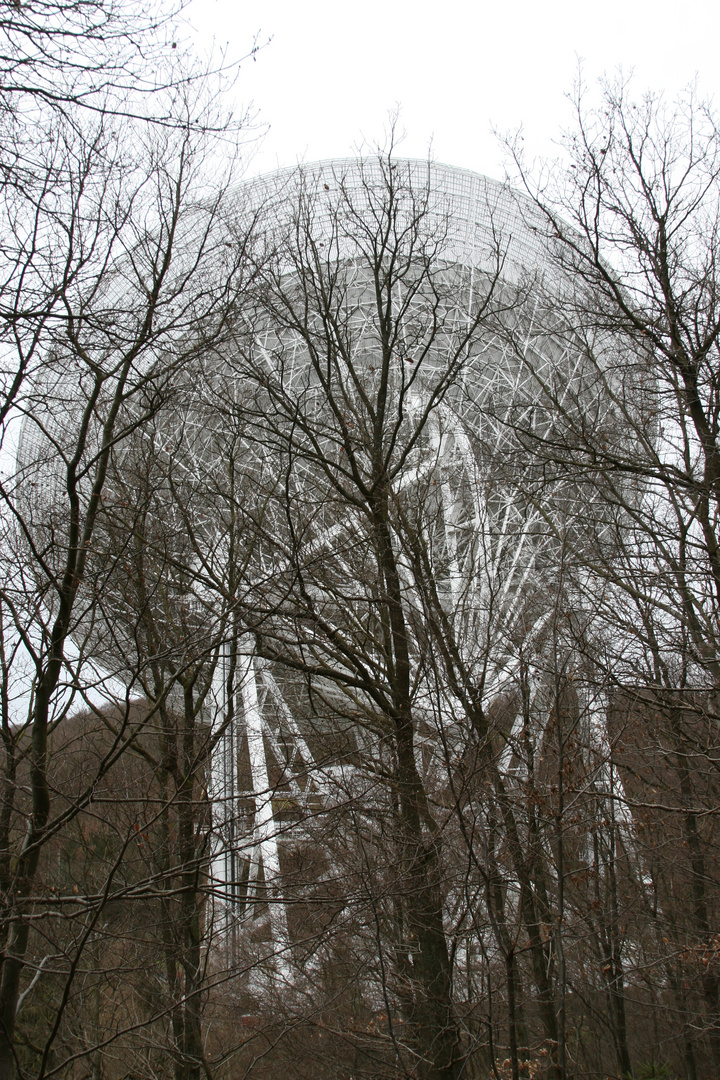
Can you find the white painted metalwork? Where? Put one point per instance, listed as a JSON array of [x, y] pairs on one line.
[[488, 543]]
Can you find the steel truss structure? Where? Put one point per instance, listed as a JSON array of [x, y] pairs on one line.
[[486, 539]]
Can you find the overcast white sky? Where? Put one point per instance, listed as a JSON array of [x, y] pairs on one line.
[[332, 70]]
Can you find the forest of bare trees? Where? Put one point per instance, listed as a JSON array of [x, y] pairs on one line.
[[359, 645]]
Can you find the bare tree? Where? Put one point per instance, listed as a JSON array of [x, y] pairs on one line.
[[632, 219], [355, 359], [69, 61], [408, 552], [116, 270], [641, 199]]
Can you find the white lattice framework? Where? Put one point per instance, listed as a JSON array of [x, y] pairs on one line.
[[492, 547]]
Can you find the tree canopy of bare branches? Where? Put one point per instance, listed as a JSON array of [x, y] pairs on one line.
[[360, 596]]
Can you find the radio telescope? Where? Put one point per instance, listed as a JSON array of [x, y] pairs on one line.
[[456, 356], [471, 346]]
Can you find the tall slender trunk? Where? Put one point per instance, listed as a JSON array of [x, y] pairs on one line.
[[700, 918], [28, 862], [540, 954], [80, 531], [506, 941], [617, 976], [561, 1046], [189, 930], [436, 1034]]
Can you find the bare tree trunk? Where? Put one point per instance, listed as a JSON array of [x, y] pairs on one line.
[[434, 1024]]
